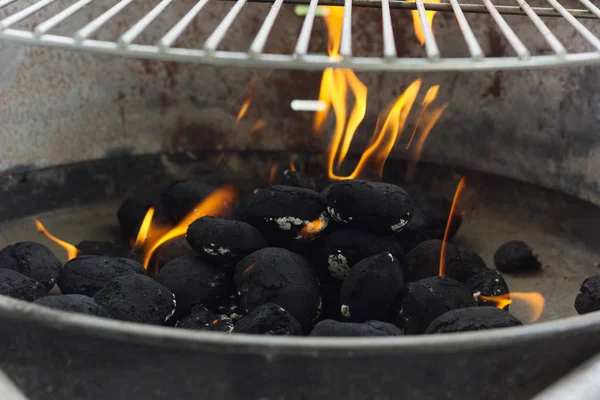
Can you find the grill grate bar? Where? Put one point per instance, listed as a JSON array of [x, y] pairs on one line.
[[97, 23], [507, 31], [304, 37], [431, 47], [389, 44], [472, 43], [346, 42], [215, 38], [556, 45], [261, 37], [171, 36], [300, 58], [60, 17], [21, 15], [583, 31]]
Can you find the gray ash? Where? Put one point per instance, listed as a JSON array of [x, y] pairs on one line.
[[193, 282], [179, 198], [103, 248], [19, 286], [200, 318], [515, 257], [230, 306], [340, 250], [334, 328], [374, 206], [88, 274], [427, 299], [472, 319], [280, 212], [371, 287], [76, 303], [276, 275], [137, 298], [588, 300], [268, 319], [224, 242], [488, 283], [33, 260], [424, 261]]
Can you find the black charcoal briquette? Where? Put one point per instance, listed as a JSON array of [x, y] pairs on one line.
[[340, 250], [19, 286], [298, 179], [516, 256], [76, 303], [179, 198], [88, 274], [488, 283], [334, 328], [424, 261], [472, 319], [371, 287], [172, 249], [100, 248], [137, 298], [279, 276], [427, 299], [193, 281], [376, 206], [33, 260], [200, 318], [588, 300], [131, 213], [224, 242], [268, 319], [281, 213]]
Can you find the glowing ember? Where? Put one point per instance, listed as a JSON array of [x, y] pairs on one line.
[[144, 228], [70, 249], [216, 204], [215, 321], [313, 228], [250, 268], [417, 21], [459, 188], [534, 301]]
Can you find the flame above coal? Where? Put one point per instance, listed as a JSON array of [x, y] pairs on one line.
[[71, 250]]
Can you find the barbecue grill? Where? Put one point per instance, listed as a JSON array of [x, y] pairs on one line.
[[106, 98]]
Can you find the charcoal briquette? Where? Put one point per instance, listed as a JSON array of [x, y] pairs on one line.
[[230, 306], [281, 212], [330, 327], [588, 300], [427, 299], [424, 261], [76, 303], [131, 213], [472, 319], [279, 276], [488, 282], [181, 197], [137, 298], [515, 257], [103, 248], [375, 206], [172, 249], [200, 318], [19, 286], [340, 250], [224, 242], [193, 281], [33, 260], [297, 179], [268, 319], [88, 274], [371, 287]]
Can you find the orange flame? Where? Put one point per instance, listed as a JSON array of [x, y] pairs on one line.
[[144, 228], [219, 159], [258, 126], [459, 188], [250, 268], [417, 21], [71, 250], [247, 99], [430, 96], [273, 173], [292, 167], [312, 229], [431, 118], [216, 204], [534, 301]]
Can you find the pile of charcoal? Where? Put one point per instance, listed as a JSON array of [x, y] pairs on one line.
[[358, 258]]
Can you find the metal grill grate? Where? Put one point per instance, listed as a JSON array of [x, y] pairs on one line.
[[209, 52]]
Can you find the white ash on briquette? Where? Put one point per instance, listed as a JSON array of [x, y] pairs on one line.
[[258, 269]]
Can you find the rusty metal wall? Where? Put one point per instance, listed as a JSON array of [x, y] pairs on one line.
[[61, 107]]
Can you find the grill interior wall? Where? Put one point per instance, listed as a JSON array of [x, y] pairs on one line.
[[61, 107]]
